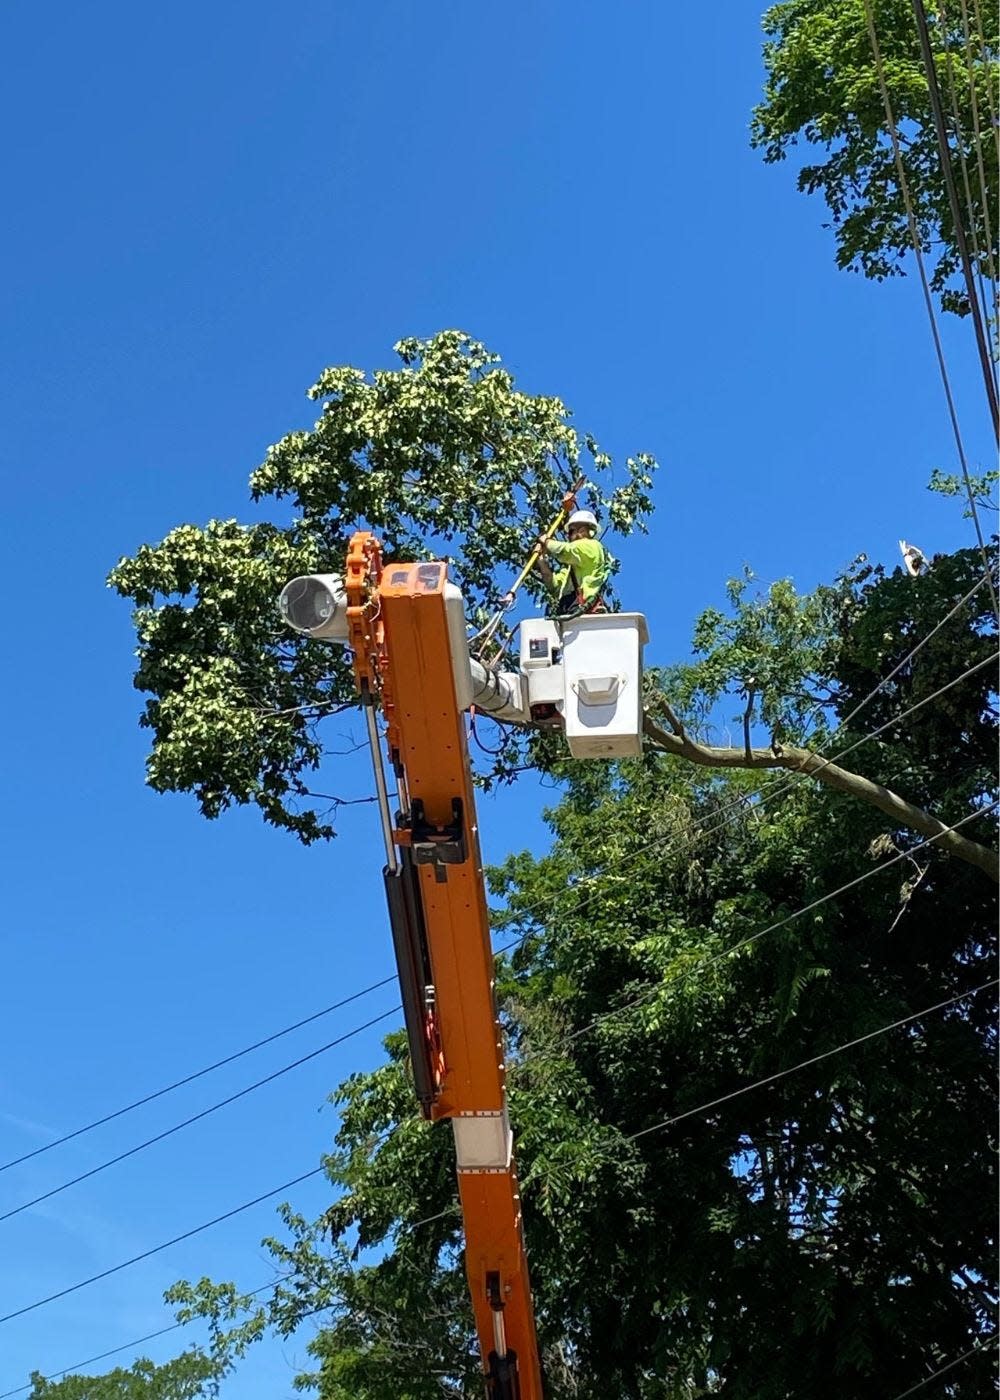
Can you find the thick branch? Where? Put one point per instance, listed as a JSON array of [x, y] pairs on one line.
[[802, 761]]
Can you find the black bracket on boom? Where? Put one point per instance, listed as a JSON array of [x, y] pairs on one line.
[[437, 845]]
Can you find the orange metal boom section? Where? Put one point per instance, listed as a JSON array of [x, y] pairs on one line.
[[406, 630]]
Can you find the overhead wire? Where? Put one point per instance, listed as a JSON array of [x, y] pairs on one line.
[[158, 1249], [196, 1117], [727, 952], [941, 1370], [977, 132], [745, 1089], [617, 1011], [989, 64], [701, 967], [813, 1060], [127, 1346], [453, 1210], [982, 258], [198, 1074], [958, 229], [928, 300], [768, 795], [739, 804]]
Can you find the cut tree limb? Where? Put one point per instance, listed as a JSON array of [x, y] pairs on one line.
[[802, 761]]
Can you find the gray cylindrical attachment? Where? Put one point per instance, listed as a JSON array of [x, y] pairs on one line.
[[316, 605]]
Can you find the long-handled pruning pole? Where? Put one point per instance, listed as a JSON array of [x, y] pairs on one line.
[[538, 549]]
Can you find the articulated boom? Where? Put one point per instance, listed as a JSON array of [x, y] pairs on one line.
[[406, 626]]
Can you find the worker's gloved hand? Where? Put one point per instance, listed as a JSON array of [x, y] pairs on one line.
[[541, 545], [507, 601]]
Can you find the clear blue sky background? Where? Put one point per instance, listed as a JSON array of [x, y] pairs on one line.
[[204, 206]]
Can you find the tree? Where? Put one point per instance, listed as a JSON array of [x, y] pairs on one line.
[[443, 454], [186, 1377], [823, 88], [818, 1226], [777, 655]]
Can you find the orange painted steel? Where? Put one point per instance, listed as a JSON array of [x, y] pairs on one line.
[[411, 662]]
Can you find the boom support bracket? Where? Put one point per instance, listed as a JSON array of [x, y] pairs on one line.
[[438, 845]]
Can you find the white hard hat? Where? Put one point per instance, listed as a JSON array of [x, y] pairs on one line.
[[582, 517]]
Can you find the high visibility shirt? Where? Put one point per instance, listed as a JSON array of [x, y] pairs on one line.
[[586, 565]]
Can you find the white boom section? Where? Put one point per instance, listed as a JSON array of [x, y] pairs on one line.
[[499, 693]]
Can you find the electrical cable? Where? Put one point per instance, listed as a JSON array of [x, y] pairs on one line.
[[198, 1074], [127, 1346], [157, 1249], [813, 1060], [357, 1030], [196, 1117], [784, 786], [977, 132], [703, 967], [981, 260], [928, 301], [440, 1215], [958, 229], [934, 1374], [987, 62], [727, 952]]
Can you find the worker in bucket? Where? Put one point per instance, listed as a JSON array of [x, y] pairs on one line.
[[585, 564]]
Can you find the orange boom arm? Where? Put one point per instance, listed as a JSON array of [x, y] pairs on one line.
[[407, 630]]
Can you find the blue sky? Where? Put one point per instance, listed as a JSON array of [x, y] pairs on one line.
[[205, 206]]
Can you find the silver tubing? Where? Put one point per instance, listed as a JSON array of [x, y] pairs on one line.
[[499, 1333], [380, 787]]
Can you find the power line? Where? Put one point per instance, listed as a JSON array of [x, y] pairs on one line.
[[813, 1060], [127, 1346], [440, 1215], [948, 175], [168, 1132], [702, 967], [784, 786], [974, 104], [934, 1374], [157, 1249], [198, 1074], [982, 260], [726, 952], [928, 301]]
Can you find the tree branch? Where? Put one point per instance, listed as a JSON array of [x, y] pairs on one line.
[[802, 761]]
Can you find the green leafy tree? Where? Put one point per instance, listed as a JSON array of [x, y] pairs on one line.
[[823, 90], [442, 456], [829, 1231], [186, 1377]]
